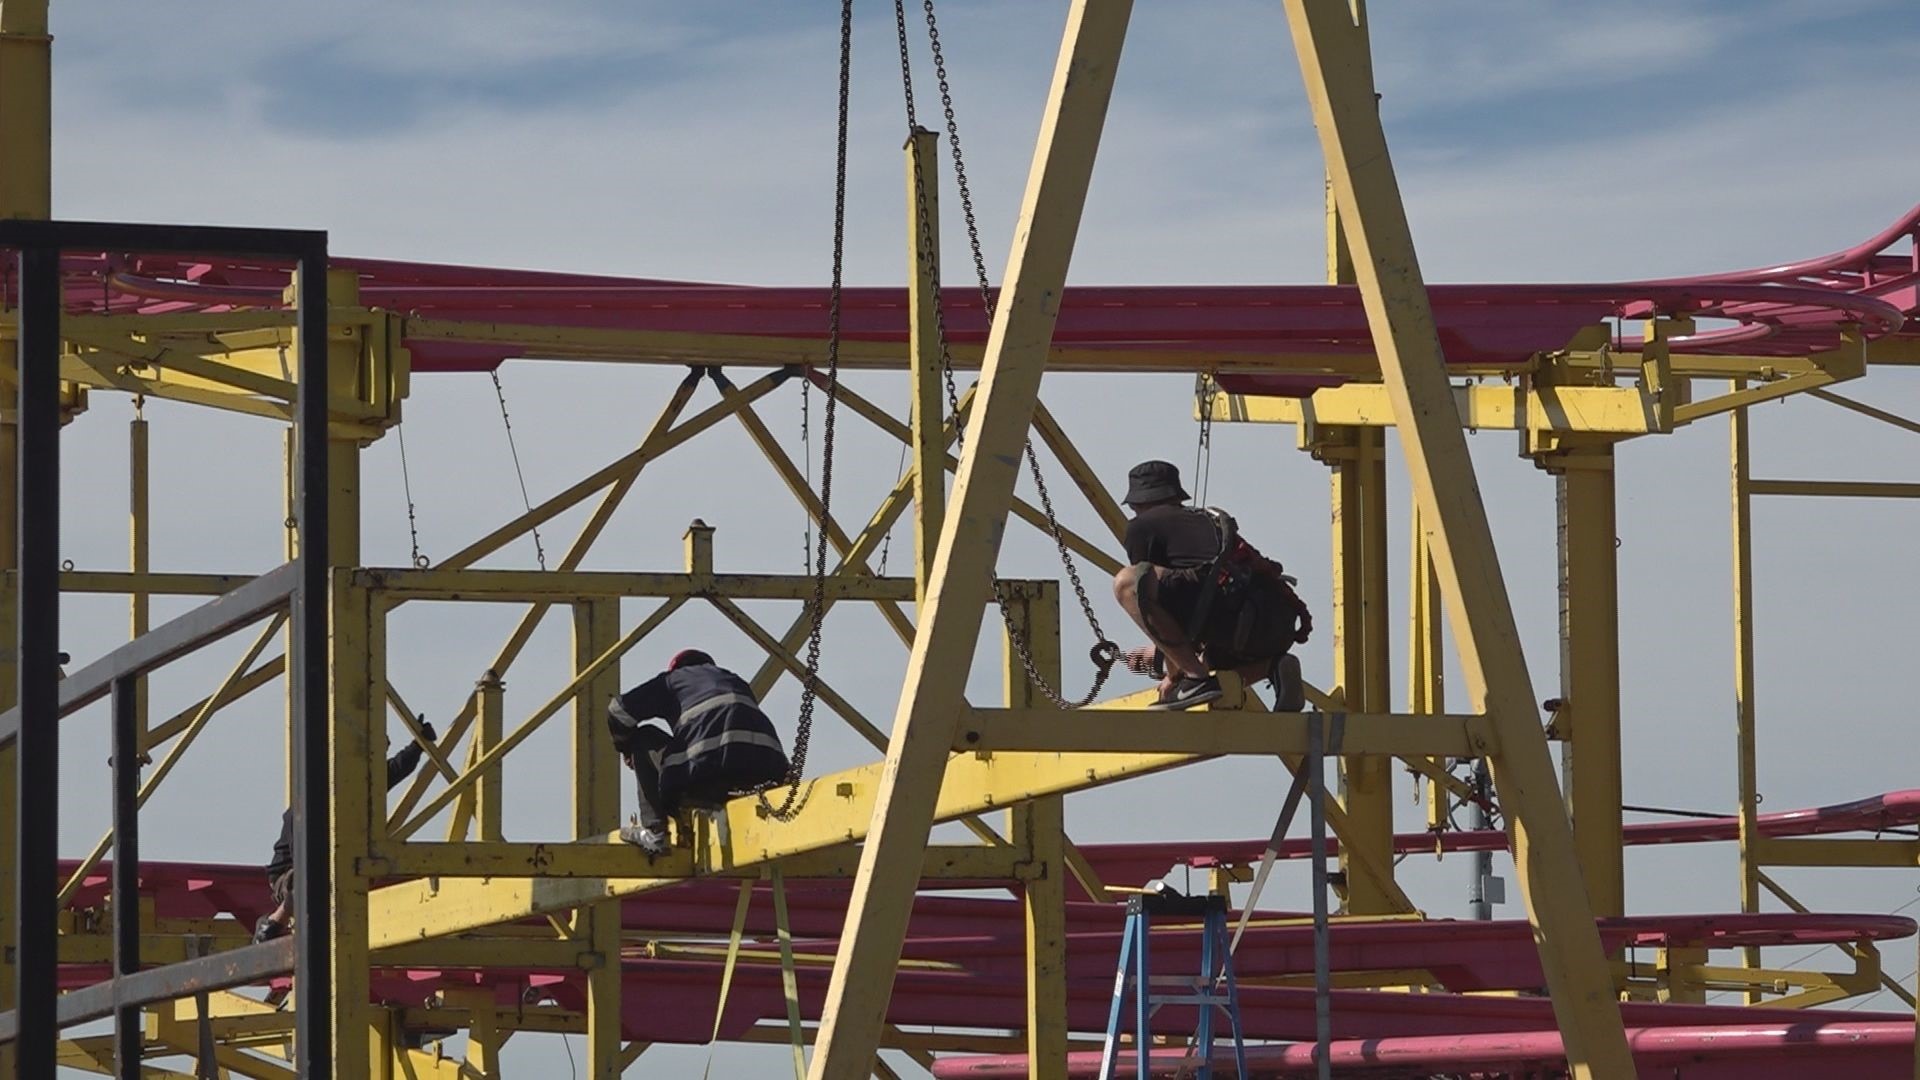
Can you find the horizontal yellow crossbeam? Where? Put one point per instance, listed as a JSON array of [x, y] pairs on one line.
[[839, 811], [597, 858], [565, 586], [1615, 410], [1211, 732], [1772, 851], [1844, 489]]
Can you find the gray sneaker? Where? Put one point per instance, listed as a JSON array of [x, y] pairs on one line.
[[1188, 692], [651, 841]]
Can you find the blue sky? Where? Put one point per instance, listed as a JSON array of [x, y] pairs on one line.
[[1534, 142]]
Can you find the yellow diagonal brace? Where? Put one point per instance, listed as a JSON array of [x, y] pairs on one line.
[[1346, 113]]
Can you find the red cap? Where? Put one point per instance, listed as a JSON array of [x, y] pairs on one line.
[[688, 658]]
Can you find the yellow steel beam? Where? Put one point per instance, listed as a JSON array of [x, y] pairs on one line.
[[593, 857], [596, 811], [1776, 851], [246, 684], [146, 583], [910, 793], [1590, 671], [1841, 489], [840, 812], [563, 586], [1346, 114], [1865, 409], [1753, 395], [357, 659], [1209, 732], [1358, 494], [1038, 829], [924, 357], [752, 350], [1524, 406], [139, 547], [1746, 765]]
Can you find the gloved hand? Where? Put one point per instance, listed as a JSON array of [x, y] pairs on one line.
[[427, 733]]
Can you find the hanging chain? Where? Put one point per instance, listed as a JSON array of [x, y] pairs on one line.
[[420, 561], [539, 549], [1204, 391], [806, 462], [810, 691], [1104, 653]]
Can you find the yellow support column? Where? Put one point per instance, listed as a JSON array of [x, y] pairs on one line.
[[596, 812], [1359, 497], [356, 802], [139, 547], [1590, 670], [26, 191], [923, 353], [1039, 827], [488, 791], [935, 684], [1746, 747], [483, 1032], [1332, 50], [1426, 656]]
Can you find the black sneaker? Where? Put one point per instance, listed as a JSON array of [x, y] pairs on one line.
[[651, 841], [1289, 691], [267, 929], [1188, 692]]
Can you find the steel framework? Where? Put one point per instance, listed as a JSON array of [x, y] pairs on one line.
[[474, 932]]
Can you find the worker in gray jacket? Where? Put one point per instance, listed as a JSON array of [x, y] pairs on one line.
[[715, 742]]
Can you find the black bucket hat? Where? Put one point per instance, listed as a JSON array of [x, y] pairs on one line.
[[1152, 482]]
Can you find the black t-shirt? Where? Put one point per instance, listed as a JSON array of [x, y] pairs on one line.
[[1180, 537]]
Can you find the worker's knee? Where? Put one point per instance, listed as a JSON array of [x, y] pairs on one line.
[[1127, 585]]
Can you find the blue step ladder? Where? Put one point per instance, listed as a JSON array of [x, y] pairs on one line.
[[1136, 980]]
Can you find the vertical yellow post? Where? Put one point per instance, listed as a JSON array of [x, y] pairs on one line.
[[357, 656], [26, 191], [923, 353], [1039, 827], [1339, 86], [1590, 670], [139, 546], [1359, 486], [490, 694], [1426, 657], [596, 812], [1746, 744], [935, 684], [483, 1032], [356, 801]]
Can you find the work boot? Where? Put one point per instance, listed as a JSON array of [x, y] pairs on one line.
[[1188, 691], [1289, 690], [650, 840], [267, 929]]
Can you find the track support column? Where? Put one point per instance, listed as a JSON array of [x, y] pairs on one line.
[[1333, 62], [1746, 743], [1360, 653], [923, 353], [1590, 669], [1039, 828], [596, 812], [935, 683]]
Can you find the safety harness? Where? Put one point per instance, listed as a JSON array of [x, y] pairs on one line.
[[1231, 577]]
